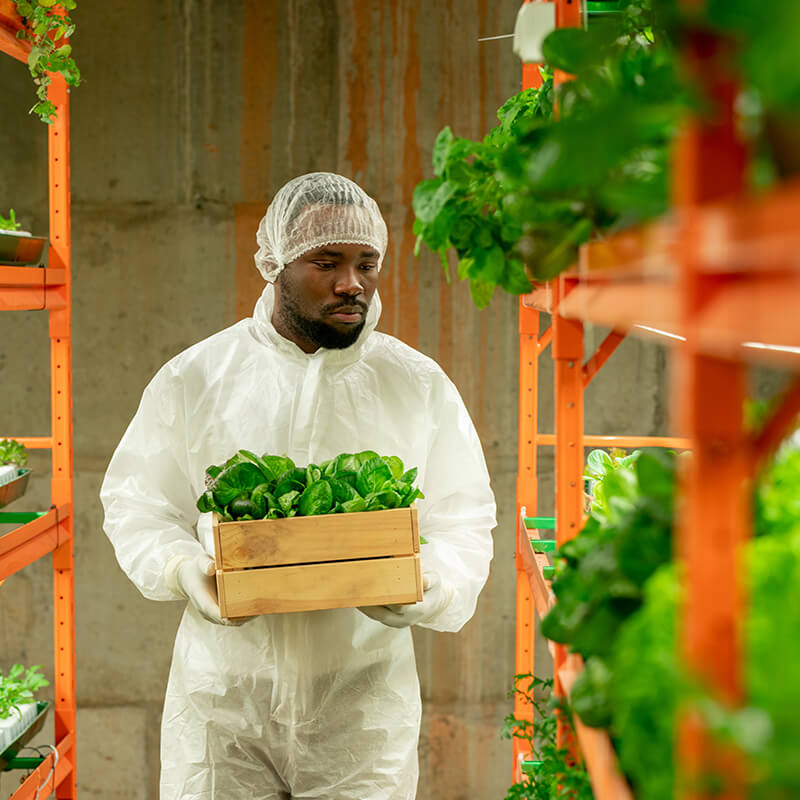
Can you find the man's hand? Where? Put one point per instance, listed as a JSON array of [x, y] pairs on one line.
[[193, 577], [436, 597]]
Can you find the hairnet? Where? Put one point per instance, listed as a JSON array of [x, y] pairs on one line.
[[311, 211]]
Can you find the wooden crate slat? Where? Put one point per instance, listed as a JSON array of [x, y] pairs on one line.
[[331, 537], [309, 587]]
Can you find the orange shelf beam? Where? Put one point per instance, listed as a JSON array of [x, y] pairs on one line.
[[33, 442], [534, 564], [625, 442], [31, 288], [32, 541], [596, 749], [10, 23], [45, 778]]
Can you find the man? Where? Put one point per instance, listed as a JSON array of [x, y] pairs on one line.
[[322, 704]]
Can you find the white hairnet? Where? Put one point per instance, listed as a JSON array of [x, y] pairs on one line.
[[311, 211]]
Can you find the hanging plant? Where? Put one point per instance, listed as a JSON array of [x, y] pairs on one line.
[[47, 28]]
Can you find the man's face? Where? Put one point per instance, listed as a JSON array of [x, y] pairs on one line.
[[321, 298]]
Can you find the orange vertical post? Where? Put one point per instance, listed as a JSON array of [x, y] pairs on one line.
[[714, 521], [567, 345], [568, 378], [527, 495], [527, 482], [61, 427]]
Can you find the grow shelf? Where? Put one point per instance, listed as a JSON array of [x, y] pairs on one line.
[[632, 281], [40, 534], [21, 251], [15, 488], [9, 755], [598, 753], [51, 773], [10, 24], [536, 564]]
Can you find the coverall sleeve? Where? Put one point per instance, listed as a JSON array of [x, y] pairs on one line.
[[150, 510], [458, 513]]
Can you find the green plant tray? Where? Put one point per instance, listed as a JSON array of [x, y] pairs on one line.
[[541, 523], [543, 545], [531, 767], [8, 756], [604, 6], [548, 572], [13, 490], [21, 251]]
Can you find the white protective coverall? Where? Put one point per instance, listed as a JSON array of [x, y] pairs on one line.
[[320, 704]]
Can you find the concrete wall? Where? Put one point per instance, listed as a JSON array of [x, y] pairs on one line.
[[191, 115]]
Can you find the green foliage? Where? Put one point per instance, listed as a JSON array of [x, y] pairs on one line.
[[635, 685], [777, 495], [249, 486], [650, 686], [600, 575], [12, 452], [517, 206], [11, 223], [18, 687], [48, 27], [556, 776]]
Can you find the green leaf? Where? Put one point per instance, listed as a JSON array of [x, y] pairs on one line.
[[238, 479], [357, 504], [395, 465], [372, 476], [316, 499], [342, 490], [598, 463], [441, 150], [288, 501], [430, 198], [481, 292]]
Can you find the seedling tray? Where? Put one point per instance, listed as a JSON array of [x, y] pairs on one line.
[[10, 753], [14, 489], [21, 251], [313, 563]]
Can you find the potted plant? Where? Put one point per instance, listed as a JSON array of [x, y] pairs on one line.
[[17, 247], [13, 472], [18, 710]]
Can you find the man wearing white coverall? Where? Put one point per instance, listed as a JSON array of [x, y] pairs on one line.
[[321, 704]]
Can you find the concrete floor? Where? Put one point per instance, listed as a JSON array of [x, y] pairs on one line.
[[191, 115]]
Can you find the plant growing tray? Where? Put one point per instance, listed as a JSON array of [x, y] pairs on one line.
[[21, 251], [367, 558], [14, 489], [10, 753]]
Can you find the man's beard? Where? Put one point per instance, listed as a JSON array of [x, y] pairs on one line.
[[320, 333]]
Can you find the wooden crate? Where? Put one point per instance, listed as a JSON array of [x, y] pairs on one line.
[[310, 563]]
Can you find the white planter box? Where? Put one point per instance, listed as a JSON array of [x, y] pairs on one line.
[[16, 724]]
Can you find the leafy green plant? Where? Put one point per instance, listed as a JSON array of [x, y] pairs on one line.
[[11, 223], [557, 776], [18, 687], [517, 206], [637, 685], [600, 575], [249, 486], [13, 452], [48, 26]]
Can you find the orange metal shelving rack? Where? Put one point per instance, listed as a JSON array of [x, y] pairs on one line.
[[26, 288], [721, 280]]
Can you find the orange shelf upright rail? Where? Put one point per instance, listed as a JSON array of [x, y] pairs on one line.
[[49, 289]]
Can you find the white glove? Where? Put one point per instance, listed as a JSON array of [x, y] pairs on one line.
[[436, 597], [193, 578]]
